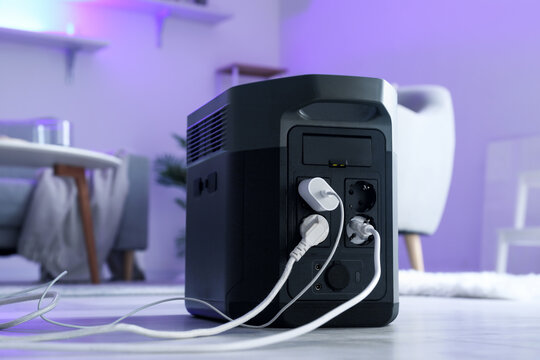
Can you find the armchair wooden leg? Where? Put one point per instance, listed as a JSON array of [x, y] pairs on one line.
[[128, 264], [414, 248]]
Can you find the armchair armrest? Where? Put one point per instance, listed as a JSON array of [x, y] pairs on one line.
[[133, 230]]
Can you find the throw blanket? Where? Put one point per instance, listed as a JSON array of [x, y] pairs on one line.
[[52, 233]]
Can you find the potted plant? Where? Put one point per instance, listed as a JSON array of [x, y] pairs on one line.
[[171, 171]]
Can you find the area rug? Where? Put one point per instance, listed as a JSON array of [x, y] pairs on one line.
[[107, 289], [485, 285]]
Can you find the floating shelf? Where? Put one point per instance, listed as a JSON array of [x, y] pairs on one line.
[[182, 10], [163, 9], [52, 40], [70, 44], [251, 70], [237, 69]]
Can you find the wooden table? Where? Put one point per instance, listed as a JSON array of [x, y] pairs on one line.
[[66, 161]]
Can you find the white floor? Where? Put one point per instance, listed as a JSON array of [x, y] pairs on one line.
[[427, 328]]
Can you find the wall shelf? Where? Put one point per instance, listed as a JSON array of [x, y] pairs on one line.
[[71, 45], [163, 9], [238, 69]]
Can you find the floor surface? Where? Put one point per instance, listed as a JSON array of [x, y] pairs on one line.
[[426, 328]]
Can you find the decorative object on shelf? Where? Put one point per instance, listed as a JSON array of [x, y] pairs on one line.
[[47, 130], [171, 171], [163, 9], [237, 69], [71, 45]]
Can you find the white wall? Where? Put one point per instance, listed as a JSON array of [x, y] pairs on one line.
[[133, 95]]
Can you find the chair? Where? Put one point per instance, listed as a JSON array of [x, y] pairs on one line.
[[519, 235], [425, 142]]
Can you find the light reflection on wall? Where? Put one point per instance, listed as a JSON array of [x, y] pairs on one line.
[[34, 15]]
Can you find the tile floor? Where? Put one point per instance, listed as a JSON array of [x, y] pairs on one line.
[[427, 328]]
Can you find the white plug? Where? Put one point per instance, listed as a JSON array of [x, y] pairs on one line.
[[314, 230], [315, 192], [359, 230]]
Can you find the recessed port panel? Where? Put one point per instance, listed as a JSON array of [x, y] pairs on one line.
[[352, 266]]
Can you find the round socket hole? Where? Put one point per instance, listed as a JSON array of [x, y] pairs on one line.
[[362, 195], [318, 287], [317, 267]]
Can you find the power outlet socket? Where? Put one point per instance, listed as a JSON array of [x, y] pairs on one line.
[[361, 199]]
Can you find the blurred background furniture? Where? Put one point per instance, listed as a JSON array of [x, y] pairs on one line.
[[520, 234], [17, 183], [425, 143]]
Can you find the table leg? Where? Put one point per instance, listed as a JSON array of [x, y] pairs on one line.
[[86, 214], [128, 264]]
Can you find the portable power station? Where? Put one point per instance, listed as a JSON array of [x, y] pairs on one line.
[[247, 151]]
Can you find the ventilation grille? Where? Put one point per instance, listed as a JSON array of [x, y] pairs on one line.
[[207, 136]]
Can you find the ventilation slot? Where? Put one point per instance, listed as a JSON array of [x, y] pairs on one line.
[[206, 136]]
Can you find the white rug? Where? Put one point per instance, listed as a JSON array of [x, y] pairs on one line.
[[107, 289], [485, 285]]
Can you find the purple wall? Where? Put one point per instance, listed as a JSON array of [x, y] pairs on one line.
[[487, 53]]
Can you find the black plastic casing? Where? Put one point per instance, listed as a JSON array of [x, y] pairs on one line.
[[247, 151]]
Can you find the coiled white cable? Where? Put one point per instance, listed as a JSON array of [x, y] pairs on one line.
[[32, 315], [17, 298]]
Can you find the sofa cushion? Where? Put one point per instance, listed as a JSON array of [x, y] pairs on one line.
[[14, 197], [8, 238], [19, 172]]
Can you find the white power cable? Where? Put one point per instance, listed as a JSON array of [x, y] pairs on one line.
[[187, 334], [170, 347], [32, 315], [139, 309], [300, 249], [313, 234], [15, 298], [319, 273]]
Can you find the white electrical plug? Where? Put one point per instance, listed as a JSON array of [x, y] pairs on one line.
[[314, 230], [359, 230], [315, 192]]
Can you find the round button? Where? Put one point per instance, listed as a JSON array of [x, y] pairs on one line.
[[337, 277]]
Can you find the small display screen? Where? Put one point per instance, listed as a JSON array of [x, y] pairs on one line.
[[337, 151]]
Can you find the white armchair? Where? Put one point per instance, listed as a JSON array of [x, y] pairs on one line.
[[425, 142]]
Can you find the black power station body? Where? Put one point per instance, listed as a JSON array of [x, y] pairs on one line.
[[248, 149]]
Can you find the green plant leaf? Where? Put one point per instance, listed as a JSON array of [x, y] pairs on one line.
[[182, 142], [171, 171], [181, 202]]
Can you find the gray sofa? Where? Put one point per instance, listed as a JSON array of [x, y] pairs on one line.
[[17, 183]]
